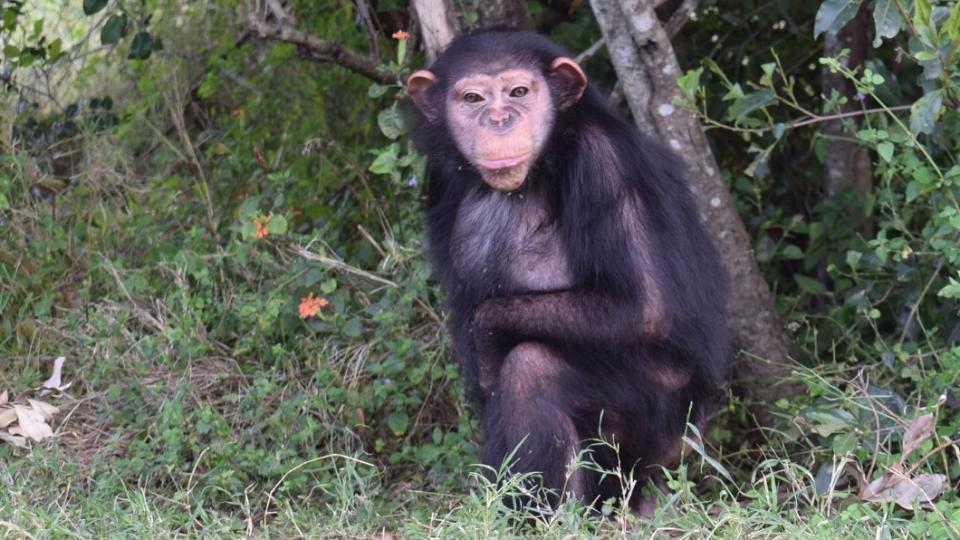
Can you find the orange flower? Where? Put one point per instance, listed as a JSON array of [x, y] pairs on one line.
[[310, 306], [261, 223], [401, 35]]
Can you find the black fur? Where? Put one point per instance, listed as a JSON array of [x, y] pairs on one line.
[[581, 194]]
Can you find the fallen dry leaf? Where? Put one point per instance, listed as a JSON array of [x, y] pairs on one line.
[[4, 397], [917, 433], [45, 409], [31, 424], [13, 439], [921, 490], [54, 380], [7, 417]]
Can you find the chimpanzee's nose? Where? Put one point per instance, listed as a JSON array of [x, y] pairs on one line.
[[499, 119]]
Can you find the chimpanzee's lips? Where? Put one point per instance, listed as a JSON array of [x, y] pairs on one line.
[[495, 164]]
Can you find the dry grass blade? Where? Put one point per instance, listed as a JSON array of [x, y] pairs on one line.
[[340, 265]]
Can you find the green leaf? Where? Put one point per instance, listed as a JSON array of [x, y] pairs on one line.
[[277, 225], [953, 174], [833, 15], [55, 50], [376, 90], [751, 102], [885, 149], [921, 12], [93, 6], [809, 284], [328, 286], [923, 23], [4, 203], [845, 443], [352, 328], [248, 229], [887, 20], [827, 423], [951, 290], [778, 130], [397, 422], [114, 29], [141, 47], [953, 23], [248, 208], [792, 252], [853, 259], [924, 112], [690, 82], [385, 162], [913, 191], [391, 122]]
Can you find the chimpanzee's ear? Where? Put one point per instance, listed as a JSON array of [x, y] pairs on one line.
[[418, 85], [569, 79]]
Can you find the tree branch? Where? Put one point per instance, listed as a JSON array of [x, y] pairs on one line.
[[680, 17], [324, 50]]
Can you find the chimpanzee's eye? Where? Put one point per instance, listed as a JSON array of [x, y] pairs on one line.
[[472, 97], [519, 91]]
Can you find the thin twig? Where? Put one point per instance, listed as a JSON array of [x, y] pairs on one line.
[[589, 52], [915, 308], [906, 17], [815, 119]]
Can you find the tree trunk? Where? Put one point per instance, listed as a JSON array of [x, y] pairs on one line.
[[646, 64], [438, 23], [847, 162], [511, 13]]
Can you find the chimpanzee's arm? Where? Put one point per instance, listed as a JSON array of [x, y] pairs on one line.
[[563, 316], [560, 317]]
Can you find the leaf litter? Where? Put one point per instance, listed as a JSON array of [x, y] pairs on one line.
[[26, 420]]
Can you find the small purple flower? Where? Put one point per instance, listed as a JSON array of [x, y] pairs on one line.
[[861, 96], [387, 380], [412, 182]]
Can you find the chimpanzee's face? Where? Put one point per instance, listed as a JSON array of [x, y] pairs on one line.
[[500, 117], [500, 123]]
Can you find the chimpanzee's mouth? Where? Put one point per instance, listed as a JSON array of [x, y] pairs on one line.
[[500, 163]]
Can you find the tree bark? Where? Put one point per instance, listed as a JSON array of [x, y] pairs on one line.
[[645, 62], [511, 13], [847, 162], [438, 24]]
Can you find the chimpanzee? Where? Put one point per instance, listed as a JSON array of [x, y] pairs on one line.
[[585, 297]]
